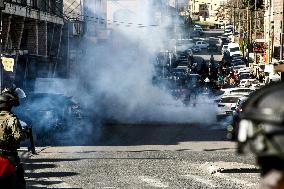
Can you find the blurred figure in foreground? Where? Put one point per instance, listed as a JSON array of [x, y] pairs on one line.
[[11, 170], [261, 131]]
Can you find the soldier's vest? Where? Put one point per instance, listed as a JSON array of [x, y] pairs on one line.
[[9, 131]]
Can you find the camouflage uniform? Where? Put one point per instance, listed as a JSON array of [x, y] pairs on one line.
[[10, 136], [10, 131]]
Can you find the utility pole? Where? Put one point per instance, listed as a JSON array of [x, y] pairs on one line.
[[234, 21], [255, 21], [282, 33], [269, 32], [2, 6], [248, 33], [281, 38]]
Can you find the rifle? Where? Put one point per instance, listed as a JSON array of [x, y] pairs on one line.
[[29, 135]]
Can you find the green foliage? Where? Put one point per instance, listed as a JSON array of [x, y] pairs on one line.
[[259, 4]]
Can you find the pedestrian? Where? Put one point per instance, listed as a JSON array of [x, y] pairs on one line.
[[261, 131], [11, 170]]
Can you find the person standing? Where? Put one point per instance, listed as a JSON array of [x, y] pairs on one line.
[[11, 170], [261, 131]]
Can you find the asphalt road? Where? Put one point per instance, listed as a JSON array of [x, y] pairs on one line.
[[146, 156]]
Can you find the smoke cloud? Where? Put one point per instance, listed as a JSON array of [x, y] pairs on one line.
[[119, 74], [113, 81]]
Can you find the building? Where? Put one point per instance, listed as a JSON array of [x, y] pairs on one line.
[[206, 10], [96, 19], [273, 30], [74, 30], [32, 35], [273, 26]]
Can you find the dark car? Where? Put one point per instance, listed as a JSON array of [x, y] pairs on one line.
[[48, 113], [212, 48], [233, 128]]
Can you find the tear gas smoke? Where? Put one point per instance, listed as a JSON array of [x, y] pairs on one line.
[[119, 75], [114, 77]]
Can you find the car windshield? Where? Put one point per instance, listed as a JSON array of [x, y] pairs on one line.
[[245, 76], [241, 91], [234, 49], [229, 100], [237, 63]]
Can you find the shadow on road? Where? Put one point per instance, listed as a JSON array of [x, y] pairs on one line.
[[114, 134], [241, 170], [42, 179]]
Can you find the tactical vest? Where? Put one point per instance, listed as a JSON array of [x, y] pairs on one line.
[[10, 131]]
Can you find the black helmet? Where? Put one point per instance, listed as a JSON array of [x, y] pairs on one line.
[[5, 102], [11, 96], [261, 127]]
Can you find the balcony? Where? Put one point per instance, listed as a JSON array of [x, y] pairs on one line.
[[27, 11]]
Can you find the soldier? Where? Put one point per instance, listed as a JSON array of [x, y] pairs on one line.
[[11, 170], [261, 130]]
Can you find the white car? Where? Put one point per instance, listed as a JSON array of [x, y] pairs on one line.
[[227, 105], [247, 82], [224, 48], [201, 44], [245, 70], [196, 26], [244, 91]]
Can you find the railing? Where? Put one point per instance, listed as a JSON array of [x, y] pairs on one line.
[[26, 11], [54, 7]]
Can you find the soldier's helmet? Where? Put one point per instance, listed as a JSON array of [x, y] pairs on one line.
[[11, 97], [261, 128]]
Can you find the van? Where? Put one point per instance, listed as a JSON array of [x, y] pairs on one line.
[[234, 49]]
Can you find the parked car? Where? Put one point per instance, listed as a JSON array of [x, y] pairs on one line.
[[244, 76], [196, 49], [195, 34], [212, 48], [224, 48], [232, 129], [200, 30], [49, 113], [196, 26], [223, 41], [246, 82], [239, 91], [189, 52], [234, 48], [227, 105], [201, 44]]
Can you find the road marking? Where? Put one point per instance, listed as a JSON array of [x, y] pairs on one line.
[[153, 182], [202, 180]]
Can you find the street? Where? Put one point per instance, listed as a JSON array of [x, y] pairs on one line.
[[147, 155], [137, 156], [130, 94]]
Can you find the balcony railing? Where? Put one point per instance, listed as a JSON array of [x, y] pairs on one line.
[[54, 7], [29, 12]]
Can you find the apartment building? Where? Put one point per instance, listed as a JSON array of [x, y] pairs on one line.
[[32, 35], [273, 29], [206, 10]]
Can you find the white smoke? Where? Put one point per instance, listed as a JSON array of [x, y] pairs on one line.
[[119, 74], [113, 79]]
